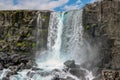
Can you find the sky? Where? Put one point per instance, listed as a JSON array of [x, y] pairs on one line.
[[56, 5]]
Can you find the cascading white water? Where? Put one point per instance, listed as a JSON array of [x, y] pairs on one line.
[[39, 26], [55, 33], [72, 37], [73, 44], [3, 73], [54, 42], [65, 42]]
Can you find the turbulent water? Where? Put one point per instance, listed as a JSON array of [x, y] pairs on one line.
[[65, 42]]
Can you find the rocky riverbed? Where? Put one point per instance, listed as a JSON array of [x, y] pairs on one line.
[[24, 70], [12, 63]]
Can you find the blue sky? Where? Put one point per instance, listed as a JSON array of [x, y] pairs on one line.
[[73, 4], [57, 5]]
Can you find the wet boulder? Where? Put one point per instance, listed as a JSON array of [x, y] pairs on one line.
[[56, 78], [3, 56], [75, 69], [78, 73], [1, 66], [36, 69], [69, 78], [70, 64], [30, 74], [5, 78], [29, 64], [24, 58], [10, 73], [14, 58]]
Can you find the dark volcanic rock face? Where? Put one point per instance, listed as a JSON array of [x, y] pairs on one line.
[[101, 22], [18, 30]]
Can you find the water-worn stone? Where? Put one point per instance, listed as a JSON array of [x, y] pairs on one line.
[[78, 72], [15, 61], [5, 78], [75, 69], [69, 78], [1, 66], [3, 56], [15, 58], [70, 63], [36, 69]]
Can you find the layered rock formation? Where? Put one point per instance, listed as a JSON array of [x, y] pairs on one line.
[[18, 30], [101, 22]]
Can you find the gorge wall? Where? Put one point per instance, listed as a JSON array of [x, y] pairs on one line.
[[18, 30], [18, 33], [102, 23]]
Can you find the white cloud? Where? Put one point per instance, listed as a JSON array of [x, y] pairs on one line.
[[70, 7], [95, 1], [40, 4], [76, 5], [31, 4], [78, 1]]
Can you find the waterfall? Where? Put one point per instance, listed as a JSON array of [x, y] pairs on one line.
[[54, 43], [55, 33], [39, 26], [72, 37], [65, 42]]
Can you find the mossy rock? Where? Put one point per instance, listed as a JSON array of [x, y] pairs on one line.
[[87, 27], [33, 45]]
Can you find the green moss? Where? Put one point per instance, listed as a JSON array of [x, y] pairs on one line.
[[21, 44], [33, 45], [87, 27], [25, 44], [28, 35], [8, 34], [93, 25], [1, 49], [29, 17], [24, 28], [5, 12], [2, 41]]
